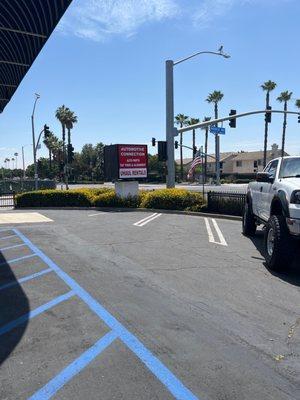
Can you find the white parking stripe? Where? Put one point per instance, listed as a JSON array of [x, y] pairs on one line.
[[145, 221], [96, 215], [220, 234], [209, 231]]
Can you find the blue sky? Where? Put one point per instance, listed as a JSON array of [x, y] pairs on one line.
[[106, 62]]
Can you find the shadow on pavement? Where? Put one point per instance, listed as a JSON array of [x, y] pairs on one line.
[[292, 274], [13, 304]]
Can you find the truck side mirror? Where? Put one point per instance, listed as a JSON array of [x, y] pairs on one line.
[[264, 177]]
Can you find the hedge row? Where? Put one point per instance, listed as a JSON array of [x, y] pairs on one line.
[[171, 199]]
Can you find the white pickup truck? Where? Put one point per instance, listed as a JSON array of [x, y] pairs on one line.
[[274, 201]]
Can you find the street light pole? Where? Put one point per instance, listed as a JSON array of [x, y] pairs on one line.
[[37, 96], [170, 123], [23, 160], [170, 129]]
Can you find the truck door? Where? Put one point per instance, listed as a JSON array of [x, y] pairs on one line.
[[266, 190]]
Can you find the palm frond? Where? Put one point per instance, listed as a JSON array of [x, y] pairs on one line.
[[268, 86], [284, 96], [215, 97]]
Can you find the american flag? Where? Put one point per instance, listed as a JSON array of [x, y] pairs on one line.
[[197, 161]]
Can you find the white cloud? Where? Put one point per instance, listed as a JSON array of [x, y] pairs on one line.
[[210, 10], [99, 19]]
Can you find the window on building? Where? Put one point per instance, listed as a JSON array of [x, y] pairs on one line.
[[239, 163]]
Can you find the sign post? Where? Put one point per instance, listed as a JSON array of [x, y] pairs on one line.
[[125, 164], [133, 161]]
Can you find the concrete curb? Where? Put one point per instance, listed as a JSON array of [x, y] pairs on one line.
[[118, 209]]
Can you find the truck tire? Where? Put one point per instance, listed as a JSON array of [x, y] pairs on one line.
[[278, 246], [249, 224]]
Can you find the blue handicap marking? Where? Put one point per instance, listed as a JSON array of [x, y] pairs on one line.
[[117, 331]]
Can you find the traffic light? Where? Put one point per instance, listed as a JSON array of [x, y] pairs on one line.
[[268, 116], [194, 150], [232, 121], [176, 144], [162, 151], [46, 131], [70, 153], [298, 119], [153, 142]]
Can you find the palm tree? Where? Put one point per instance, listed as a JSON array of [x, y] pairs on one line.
[[215, 97], [181, 120], [49, 142], [193, 121], [70, 120], [284, 98], [206, 147], [267, 87], [60, 114]]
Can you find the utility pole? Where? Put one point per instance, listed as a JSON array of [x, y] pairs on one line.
[[36, 182], [23, 161], [170, 123], [170, 129]]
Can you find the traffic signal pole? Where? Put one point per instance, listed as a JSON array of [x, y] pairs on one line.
[[215, 121], [204, 124]]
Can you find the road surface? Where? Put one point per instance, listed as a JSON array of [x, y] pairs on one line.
[[142, 305]]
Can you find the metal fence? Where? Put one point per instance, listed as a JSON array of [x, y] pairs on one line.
[[226, 202], [7, 200]]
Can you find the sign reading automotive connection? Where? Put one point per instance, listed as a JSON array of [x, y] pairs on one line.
[[133, 161]]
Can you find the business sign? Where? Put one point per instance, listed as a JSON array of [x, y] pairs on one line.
[[217, 130], [133, 161]]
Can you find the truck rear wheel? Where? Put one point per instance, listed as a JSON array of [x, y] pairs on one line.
[[249, 224], [278, 245]]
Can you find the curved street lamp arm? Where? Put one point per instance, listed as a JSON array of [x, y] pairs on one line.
[[201, 52]]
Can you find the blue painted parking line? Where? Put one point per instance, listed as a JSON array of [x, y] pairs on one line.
[[13, 247], [74, 368], [39, 310], [166, 377], [7, 237], [15, 260], [25, 279]]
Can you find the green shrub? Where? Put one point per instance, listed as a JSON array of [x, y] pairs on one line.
[[110, 199], [55, 198], [172, 199], [243, 180]]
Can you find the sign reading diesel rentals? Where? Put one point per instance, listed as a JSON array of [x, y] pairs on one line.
[[133, 161]]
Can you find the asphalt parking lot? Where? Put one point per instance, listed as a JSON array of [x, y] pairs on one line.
[[143, 305]]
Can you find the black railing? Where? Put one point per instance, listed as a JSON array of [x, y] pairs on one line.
[[229, 203], [7, 200]]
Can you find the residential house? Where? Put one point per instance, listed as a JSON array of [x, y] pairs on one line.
[[250, 162], [240, 163]]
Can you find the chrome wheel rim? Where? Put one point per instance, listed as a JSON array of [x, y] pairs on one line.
[[270, 242]]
